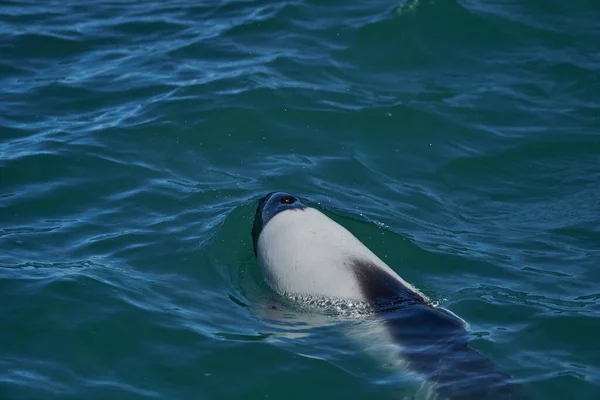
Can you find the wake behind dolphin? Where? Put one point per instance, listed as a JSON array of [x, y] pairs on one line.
[[306, 255]]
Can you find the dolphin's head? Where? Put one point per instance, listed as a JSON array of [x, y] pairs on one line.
[[269, 206]]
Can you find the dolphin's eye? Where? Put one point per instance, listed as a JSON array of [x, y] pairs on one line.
[[287, 200]]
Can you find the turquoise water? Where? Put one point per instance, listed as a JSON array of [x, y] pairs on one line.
[[457, 139]]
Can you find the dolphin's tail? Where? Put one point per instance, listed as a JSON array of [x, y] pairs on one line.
[[435, 345]]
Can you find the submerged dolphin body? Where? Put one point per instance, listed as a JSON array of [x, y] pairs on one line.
[[307, 256]]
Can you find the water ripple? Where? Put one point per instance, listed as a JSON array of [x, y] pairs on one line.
[[457, 138]]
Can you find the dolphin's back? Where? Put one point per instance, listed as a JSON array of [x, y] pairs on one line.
[[435, 344]]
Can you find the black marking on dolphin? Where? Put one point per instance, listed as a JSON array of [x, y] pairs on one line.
[[378, 285], [434, 342], [258, 225]]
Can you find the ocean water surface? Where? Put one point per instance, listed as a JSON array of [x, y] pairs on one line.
[[458, 139]]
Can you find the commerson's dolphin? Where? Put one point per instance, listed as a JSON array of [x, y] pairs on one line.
[[308, 257]]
